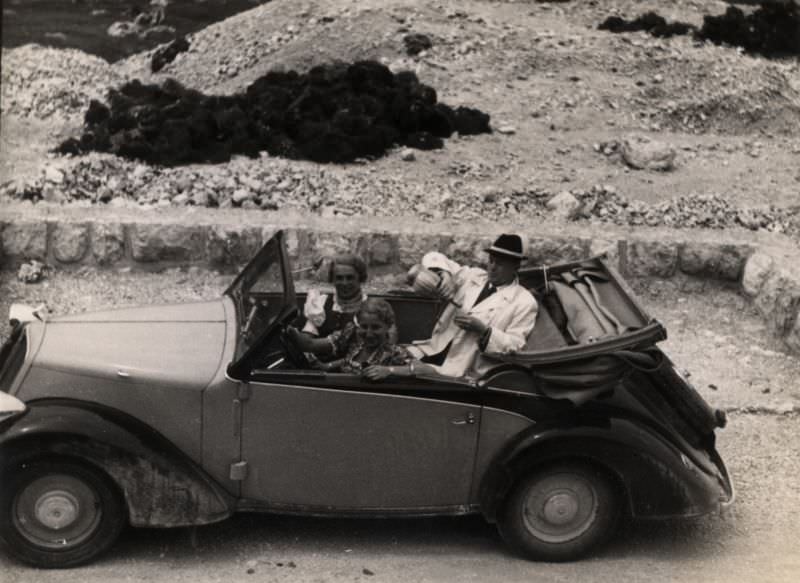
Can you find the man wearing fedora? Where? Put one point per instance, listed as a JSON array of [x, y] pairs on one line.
[[488, 311]]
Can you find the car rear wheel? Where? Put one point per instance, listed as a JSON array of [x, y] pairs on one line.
[[58, 513], [560, 512]]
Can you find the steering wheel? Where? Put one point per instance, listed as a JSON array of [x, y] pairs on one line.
[[293, 352]]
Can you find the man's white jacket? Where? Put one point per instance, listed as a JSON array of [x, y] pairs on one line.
[[510, 312]]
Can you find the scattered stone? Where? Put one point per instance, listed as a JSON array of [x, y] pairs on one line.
[[407, 155], [646, 154], [53, 175], [416, 43], [32, 271], [564, 205], [165, 55], [507, 130], [240, 195]]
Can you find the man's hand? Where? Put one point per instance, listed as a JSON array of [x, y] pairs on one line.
[[376, 372], [447, 287], [470, 323]]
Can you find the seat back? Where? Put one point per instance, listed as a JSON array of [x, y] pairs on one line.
[[545, 334]]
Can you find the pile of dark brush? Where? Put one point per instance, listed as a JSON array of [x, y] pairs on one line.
[[771, 30], [334, 113], [649, 21]]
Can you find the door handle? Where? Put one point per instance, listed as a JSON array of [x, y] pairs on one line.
[[470, 420]]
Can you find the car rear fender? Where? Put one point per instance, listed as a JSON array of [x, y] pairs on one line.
[[161, 486], [654, 477]]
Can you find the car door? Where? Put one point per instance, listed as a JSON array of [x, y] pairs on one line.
[[258, 301], [326, 442]]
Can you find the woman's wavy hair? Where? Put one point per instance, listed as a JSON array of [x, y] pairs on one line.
[[380, 308], [353, 261]]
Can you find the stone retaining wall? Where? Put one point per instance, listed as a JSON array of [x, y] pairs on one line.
[[766, 275]]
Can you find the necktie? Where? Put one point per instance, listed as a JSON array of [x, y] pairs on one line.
[[487, 290]]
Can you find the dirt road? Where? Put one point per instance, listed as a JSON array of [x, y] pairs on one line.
[[713, 333]]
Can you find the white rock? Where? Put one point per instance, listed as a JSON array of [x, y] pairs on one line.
[[507, 129], [242, 194], [564, 205], [645, 154], [407, 155], [53, 175]]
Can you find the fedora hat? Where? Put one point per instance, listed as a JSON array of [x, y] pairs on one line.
[[507, 245]]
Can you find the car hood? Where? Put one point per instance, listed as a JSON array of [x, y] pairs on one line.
[[178, 344]]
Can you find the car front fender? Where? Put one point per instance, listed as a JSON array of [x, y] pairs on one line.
[[655, 477], [161, 486]]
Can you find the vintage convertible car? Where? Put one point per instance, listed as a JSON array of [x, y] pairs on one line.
[[184, 414]]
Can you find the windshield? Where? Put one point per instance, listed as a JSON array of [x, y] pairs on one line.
[[262, 292]]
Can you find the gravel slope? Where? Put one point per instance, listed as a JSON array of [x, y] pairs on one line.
[[555, 85]]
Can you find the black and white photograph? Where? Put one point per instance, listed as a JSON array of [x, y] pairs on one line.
[[335, 291]]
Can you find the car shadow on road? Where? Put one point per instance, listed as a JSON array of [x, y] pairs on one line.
[[288, 538]]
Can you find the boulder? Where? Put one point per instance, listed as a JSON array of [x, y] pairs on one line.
[[713, 260], [778, 301], [32, 271], [564, 205], [756, 270], [643, 153]]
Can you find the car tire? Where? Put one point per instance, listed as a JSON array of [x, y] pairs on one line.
[[56, 514], [560, 512]]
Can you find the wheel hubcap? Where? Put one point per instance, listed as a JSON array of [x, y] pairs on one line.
[[560, 507], [57, 511]]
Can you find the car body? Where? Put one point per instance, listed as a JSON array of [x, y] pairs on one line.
[[184, 414]]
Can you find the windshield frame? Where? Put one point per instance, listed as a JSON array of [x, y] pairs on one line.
[[239, 291]]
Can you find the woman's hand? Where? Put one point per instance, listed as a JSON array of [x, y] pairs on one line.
[[299, 339], [376, 372]]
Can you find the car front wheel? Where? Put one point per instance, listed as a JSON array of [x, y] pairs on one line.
[[58, 514], [560, 512]]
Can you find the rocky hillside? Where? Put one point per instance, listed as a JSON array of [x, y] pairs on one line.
[[625, 127]]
